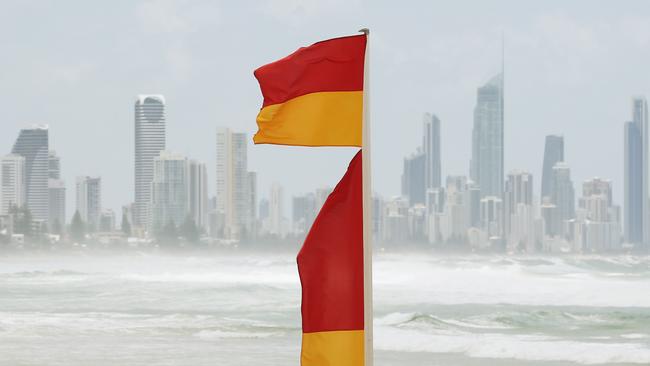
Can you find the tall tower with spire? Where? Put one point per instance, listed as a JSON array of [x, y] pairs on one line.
[[487, 164]]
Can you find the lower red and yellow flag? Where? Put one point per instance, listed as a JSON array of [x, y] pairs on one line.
[[330, 264]]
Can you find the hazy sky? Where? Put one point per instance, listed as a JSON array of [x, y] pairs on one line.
[[571, 68]]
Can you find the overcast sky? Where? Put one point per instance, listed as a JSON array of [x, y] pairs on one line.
[[571, 68]]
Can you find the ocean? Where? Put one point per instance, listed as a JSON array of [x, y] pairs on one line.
[[226, 308]]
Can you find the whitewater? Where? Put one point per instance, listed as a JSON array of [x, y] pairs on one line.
[[228, 308]]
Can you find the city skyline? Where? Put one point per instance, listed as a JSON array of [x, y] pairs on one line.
[[31, 139], [459, 214], [562, 60]]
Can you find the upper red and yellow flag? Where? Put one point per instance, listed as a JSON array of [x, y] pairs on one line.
[[314, 97]]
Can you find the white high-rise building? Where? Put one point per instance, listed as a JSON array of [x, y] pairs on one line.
[[518, 191], [89, 200], [198, 193], [602, 227], [169, 190], [597, 187], [394, 224], [452, 223], [12, 182], [33, 145], [492, 216], [233, 190], [149, 142], [525, 229]]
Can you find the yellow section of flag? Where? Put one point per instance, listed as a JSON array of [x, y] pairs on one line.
[[316, 119], [338, 348]]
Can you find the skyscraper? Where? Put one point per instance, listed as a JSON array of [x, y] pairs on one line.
[[149, 142], [304, 212], [54, 165], [518, 191], [640, 120], [597, 186], [232, 187], [455, 219], [492, 216], [56, 221], [633, 183], [57, 194], [169, 190], [601, 226], [562, 195], [89, 200], [33, 145], [486, 166], [13, 182], [198, 193], [431, 147], [524, 233], [553, 153], [395, 221], [519, 187], [414, 179]]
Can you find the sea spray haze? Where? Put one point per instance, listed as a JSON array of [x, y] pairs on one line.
[[243, 309]]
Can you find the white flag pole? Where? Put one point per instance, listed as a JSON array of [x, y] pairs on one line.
[[367, 209]]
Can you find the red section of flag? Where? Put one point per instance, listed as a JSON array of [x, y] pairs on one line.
[[331, 260], [331, 65]]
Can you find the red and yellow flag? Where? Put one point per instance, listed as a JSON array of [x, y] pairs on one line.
[[331, 273], [314, 97]]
